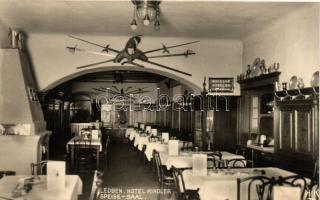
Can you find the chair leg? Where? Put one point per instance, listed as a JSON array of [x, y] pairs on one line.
[[153, 165]]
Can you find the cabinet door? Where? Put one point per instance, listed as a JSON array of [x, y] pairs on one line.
[[315, 131], [296, 130], [254, 114], [303, 131], [286, 130]]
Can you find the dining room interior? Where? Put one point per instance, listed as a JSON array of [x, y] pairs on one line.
[[159, 99]]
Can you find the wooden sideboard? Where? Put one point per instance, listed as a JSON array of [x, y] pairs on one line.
[[297, 132]]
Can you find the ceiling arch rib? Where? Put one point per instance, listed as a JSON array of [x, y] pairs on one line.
[[87, 72]]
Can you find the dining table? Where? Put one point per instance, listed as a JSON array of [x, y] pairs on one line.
[[94, 143], [140, 140], [160, 147], [77, 127], [40, 191], [132, 134], [184, 159], [222, 184], [128, 132]]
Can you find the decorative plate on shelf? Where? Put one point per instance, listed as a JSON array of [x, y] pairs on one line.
[[255, 71], [300, 83], [293, 84], [315, 79]]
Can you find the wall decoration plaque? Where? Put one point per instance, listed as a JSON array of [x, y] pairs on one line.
[[221, 85]]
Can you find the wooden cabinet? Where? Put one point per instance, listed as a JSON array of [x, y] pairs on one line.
[[297, 128], [255, 113]]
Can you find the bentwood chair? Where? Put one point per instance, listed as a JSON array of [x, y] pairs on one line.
[[313, 187], [180, 189], [144, 147], [107, 148], [215, 160], [315, 176], [38, 168], [153, 138], [292, 181], [241, 150], [165, 179], [83, 155], [258, 182], [186, 146], [96, 188], [154, 161], [238, 163], [104, 154]]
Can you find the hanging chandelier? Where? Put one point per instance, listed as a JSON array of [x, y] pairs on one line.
[[146, 11]]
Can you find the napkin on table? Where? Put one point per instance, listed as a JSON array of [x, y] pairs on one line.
[[173, 147], [56, 175], [199, 164]]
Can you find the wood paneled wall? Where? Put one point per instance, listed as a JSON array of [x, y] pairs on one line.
[[144, 116]]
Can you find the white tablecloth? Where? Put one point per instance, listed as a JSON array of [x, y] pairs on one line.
[[76, 127], [140, 141], [184, 159], [40, 191], [132, 134], [128, 132], [158, 146], [155, 146], [94, 142], [229, 156], [219, 186]]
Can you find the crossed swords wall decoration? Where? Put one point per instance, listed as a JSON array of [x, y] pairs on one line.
[[131, 53], [129, 92]]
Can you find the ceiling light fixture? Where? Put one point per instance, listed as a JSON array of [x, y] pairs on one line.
[[133, 24], [146, 11]]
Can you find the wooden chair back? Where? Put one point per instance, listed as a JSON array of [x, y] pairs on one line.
[[38, 168]]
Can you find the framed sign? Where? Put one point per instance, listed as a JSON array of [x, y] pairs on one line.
[[221, 85]]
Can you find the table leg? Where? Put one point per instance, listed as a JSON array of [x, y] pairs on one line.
[[72, 156], [252, 157], [98, 157]]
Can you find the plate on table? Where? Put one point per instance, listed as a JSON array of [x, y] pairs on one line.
[[293, 84], [315, 79]]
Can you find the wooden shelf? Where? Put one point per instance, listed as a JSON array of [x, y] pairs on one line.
[[258, 78], [308, 93], [259, 81]]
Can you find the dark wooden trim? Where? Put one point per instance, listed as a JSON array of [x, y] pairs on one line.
[[258, 81]]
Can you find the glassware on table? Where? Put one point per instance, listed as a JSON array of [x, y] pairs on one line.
[[228, 169]]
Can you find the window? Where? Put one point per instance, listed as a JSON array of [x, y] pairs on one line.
[[254, 113]]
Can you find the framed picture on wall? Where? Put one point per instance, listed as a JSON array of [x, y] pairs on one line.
[[221, 85]]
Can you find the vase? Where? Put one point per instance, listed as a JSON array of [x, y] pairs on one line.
[[248, 72]]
